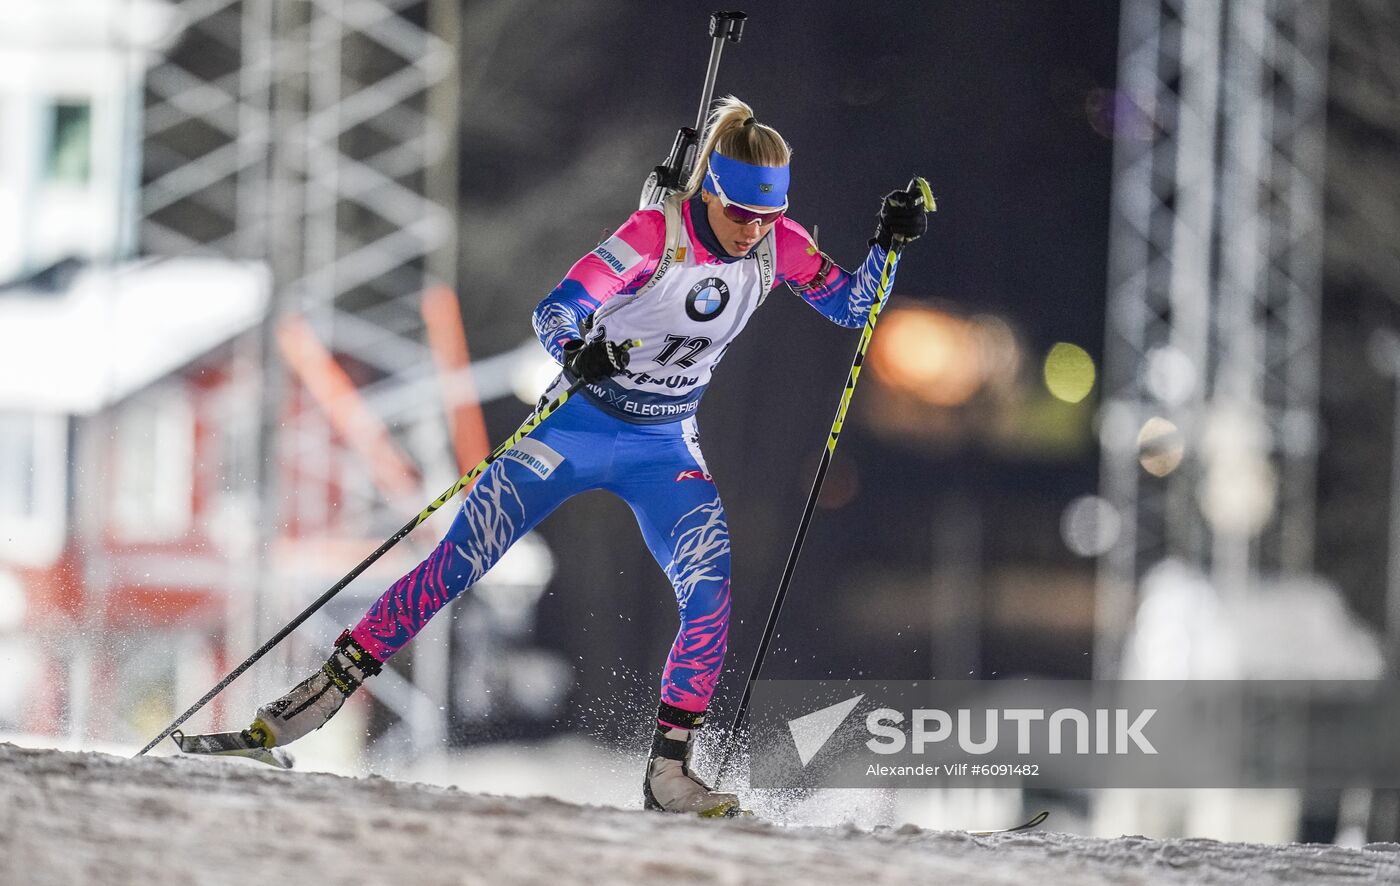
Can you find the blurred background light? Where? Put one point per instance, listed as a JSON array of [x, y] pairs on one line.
[[1118, 427], [1161, 446], [1112, 113], [998, 352], [1090, 525], [1171, 376], [928, 354], [532, 376], [1239, 498], [1240, 489], [1069, 372]]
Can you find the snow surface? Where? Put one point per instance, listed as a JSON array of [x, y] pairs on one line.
[[78, 818]]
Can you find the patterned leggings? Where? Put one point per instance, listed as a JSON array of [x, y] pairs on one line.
[[657, 469]]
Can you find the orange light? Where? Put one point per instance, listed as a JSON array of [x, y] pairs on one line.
[[928, 354]]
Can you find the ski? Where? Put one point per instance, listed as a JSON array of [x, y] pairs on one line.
[[1031, 823], [232, 744]]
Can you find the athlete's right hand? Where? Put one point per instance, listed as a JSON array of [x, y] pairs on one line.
[[596, 360]]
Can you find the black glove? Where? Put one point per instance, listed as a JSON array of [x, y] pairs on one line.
[[594, 361], [902, 215]]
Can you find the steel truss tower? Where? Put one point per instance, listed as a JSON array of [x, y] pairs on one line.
[[318, 136], [1364, 271], [1214, 295]]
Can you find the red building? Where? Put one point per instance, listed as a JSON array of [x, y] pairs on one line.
[[128, 429]]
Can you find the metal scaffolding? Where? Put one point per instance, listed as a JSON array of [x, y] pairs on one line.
[[318, 136], [1214, 295], [1364, 271]]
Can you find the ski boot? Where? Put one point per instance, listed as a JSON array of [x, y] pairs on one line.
[[311, 703], [669, 784]]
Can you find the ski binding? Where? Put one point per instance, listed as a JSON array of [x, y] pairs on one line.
[[232, 744]]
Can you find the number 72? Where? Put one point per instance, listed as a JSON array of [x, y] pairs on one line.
[[675, 342]]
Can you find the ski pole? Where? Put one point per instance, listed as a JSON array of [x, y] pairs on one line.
[[883, 295], [530, 424]]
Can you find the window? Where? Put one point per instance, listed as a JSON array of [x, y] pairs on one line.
[[33, 487], [70, 143], [154, 457], [17, 493]]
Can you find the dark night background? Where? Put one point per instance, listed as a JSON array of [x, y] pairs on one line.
[[948, 559]]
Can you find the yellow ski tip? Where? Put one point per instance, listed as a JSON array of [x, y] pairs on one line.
[[725, 810]]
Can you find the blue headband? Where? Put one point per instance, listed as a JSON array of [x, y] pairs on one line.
[[761, 186]]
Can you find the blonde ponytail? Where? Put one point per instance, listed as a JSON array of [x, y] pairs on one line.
[[735, 133]]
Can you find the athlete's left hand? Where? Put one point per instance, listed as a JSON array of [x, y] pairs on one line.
[[596, 360], [902, 215]]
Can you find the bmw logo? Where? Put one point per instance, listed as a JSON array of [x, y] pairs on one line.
[[707, 299]]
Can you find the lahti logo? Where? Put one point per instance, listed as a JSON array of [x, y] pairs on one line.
[[707, 299]]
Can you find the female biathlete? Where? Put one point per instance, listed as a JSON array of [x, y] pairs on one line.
[[682, 277]]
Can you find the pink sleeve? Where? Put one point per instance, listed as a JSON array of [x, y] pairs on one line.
[[799, 260], [840, 296], [629, 255]]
